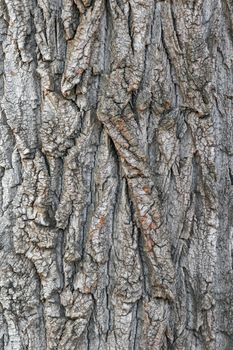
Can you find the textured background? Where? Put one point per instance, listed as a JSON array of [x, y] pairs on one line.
[[116, 175]]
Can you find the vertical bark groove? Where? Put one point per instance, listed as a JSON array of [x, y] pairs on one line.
[[116, 173]]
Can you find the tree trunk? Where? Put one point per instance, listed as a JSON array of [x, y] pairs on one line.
[[116, 175]]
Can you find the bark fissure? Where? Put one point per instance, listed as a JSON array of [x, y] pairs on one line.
[[116, 175]]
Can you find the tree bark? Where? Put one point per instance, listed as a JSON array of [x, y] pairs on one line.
[[116, 175]]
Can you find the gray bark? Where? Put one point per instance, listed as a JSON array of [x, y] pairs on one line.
[[116, 175]]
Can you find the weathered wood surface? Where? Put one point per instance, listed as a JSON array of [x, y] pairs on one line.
[[116, 175]]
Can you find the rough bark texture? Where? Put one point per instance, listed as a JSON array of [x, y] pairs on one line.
[[116, 175]]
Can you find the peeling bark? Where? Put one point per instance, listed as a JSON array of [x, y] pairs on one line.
[[116, 175]]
